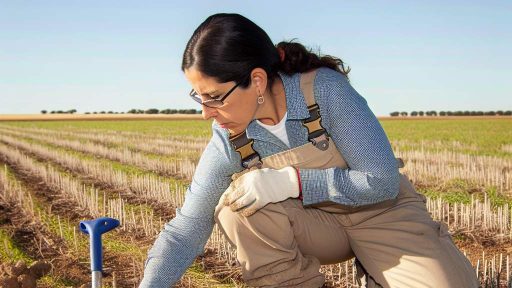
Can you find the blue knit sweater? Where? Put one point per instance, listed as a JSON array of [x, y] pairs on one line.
[[372, 176]]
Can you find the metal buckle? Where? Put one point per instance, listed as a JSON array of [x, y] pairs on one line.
[[253, 161], [321, 142]]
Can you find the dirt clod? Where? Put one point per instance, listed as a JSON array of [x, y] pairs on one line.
[[18, 275], [19, 268], [27, 281], [9, 282], [40, 268]]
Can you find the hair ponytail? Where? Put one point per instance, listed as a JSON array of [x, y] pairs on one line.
[[296, 58], [229, 46]]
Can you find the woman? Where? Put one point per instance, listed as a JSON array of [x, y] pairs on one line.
[[298, 173]]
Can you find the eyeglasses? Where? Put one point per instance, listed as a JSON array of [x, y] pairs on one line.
[[214, 102]]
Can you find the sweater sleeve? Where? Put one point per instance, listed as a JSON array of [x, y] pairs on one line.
[[184, 237], [373, 174]]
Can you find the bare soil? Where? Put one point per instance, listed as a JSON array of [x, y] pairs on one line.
[[32, 240]]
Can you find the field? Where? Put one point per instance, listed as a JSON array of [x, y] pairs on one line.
[[55, 173]]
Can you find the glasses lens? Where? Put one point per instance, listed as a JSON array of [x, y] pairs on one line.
[[195, 96], [212, 103]]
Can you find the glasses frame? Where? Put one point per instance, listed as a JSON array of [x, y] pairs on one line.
[[213, 103]]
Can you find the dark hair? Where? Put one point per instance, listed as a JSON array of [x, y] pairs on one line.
[[228, 47]]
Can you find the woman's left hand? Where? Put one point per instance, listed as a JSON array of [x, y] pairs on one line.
[[255, 189]]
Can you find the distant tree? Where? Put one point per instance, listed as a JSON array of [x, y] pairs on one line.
[[414, 113], [110, 112], [60, 112], [507, 113], [394, 114], [102, 112], [43, 111], [421, 113], [94, 112], [151, 111], [499, 112], [403, 113], [87, 112], [442, 113], [71, 111]]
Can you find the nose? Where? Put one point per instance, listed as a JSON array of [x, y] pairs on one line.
[[208, 112]]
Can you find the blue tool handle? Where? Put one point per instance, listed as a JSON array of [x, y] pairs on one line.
[[95, 228]]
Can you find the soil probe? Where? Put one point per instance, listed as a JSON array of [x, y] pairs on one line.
[[95, 228]]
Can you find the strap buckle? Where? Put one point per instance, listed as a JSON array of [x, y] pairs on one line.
[[321, 142], [251, 161]]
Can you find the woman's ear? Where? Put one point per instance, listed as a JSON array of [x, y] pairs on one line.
[[257, 81], [259, 78]]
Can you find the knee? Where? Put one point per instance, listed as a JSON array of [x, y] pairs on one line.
[[273, 214], [226, 217]]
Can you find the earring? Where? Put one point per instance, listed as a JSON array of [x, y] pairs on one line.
[[260, 98]]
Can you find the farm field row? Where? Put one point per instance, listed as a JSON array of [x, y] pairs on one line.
[[138, 172]]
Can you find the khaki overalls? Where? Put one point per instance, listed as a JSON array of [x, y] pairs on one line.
[[396, 242]]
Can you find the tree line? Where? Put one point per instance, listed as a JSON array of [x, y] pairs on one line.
[[131, 111], [452, 113], [71, 111]]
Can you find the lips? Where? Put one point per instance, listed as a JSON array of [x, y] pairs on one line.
[[225, 124]]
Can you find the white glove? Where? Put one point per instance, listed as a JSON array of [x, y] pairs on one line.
[[255, 189]]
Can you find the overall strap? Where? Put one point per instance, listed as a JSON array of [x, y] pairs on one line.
[[316, 133], [243, 146]]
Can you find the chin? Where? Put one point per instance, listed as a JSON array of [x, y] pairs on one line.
[[235, 130]]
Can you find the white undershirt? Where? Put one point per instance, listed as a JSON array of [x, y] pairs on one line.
[[279, 129]]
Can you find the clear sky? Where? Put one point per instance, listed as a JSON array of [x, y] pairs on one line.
[[118, 55]]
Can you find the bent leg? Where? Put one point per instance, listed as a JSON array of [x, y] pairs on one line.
[[404, 247], [270, 252]]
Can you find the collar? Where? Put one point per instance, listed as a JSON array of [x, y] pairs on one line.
[[295, 102], [296, 106]]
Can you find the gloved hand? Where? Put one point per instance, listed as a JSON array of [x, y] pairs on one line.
[[255, 189]]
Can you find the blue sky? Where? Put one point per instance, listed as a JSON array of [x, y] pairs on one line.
[[118, 55]]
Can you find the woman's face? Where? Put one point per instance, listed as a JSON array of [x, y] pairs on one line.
[[239, 107]]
